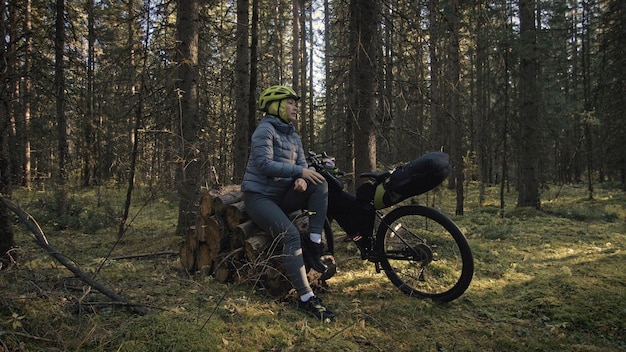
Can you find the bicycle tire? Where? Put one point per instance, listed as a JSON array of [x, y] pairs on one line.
[[424, 253]]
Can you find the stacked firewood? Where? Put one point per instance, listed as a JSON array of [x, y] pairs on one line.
[[225, 243]]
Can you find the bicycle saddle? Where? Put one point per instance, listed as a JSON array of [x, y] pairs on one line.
[[378, 176]]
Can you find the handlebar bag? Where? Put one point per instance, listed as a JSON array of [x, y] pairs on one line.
[[417, 177]]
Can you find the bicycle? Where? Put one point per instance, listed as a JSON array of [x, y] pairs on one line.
[[421, 250]]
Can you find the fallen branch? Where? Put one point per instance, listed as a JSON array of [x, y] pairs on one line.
[[32, 225], [21, 334], [143, 255]]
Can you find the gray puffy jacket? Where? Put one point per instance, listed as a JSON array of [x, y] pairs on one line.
[[276, 158]]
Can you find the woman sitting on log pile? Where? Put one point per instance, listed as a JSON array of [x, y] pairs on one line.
[[278, 181]]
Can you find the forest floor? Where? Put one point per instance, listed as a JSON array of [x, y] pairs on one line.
[[550, 280]]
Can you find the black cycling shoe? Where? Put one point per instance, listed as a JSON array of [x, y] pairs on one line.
[[312, 253], [315, 307]]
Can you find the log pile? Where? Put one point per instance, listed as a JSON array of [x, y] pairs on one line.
[[225, 243]]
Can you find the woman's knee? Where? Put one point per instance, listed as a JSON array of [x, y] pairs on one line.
[[319, 188], [291, 240], [323, 187]]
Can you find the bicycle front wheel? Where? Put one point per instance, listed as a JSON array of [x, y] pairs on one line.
[[424, 253]]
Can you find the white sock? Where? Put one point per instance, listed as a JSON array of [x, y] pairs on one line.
[[316, 237], [305, 297]]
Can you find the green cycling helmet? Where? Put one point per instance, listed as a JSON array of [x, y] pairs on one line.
[[275, 93]]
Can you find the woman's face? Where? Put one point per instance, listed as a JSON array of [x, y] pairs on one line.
[[291, 109]]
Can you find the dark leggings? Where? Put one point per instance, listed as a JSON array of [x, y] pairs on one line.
[[271, 216]]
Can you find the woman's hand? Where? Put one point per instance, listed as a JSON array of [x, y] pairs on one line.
[[307, 175], [300, 185], [312, 176]]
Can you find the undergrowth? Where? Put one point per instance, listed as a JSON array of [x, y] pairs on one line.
[[547, 280]]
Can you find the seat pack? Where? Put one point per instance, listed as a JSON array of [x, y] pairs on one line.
[[414, 178]]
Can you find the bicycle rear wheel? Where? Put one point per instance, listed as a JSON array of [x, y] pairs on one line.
[[424, 253]]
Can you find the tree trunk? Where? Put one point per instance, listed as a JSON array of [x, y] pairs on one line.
[[587, 98], [254, 44], [529, 124], [242, 91], [311, 100], [481, 134], [505, 133], [389, 152], [12, 85], [456, 143], [295, 49], [59, 83], [135, 97], [88, 118], [188, 171], [7, 240], [436, 115], [364, 72], [26, 96]]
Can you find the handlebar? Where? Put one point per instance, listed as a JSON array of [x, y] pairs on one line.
[[322, 161]]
